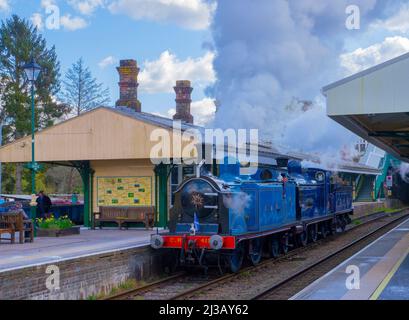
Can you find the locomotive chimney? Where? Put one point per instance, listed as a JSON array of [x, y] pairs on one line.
[[183, 100], [128, 85]]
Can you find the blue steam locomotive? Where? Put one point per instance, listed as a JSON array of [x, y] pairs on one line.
[[220, 221]]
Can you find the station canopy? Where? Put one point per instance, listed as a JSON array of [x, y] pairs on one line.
[[374, 104], [120, 134], [100, 134]]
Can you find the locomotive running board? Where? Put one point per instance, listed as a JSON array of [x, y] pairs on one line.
[[326, 218], [288, 228]]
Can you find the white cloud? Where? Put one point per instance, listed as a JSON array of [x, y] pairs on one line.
[[399, 22], [364, 58], [108, 61], [37, 20], [86, 7], [47, 3], [72, 23], [4, 5], [203, 111], [159, 76], [190, 14]]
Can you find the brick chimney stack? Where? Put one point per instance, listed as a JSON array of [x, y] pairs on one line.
[[183, 100], [128, 85]]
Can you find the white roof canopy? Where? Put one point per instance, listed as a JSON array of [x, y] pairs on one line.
[[374, 104]]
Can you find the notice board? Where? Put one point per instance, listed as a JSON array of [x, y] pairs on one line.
[[124, 191]]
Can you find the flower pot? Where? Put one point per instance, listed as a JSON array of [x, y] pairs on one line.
[[58, 232]]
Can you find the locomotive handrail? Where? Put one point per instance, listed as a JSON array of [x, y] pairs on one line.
[[212, 183]]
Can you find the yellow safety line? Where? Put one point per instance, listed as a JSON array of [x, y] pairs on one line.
[[385, 282]]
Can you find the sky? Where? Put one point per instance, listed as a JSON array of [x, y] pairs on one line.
[[254, 57], [168, 40]]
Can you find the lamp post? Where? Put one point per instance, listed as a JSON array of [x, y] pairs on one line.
[[32, 70]]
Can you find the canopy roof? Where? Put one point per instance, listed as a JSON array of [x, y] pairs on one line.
[[120, 133], [374, 104], [100, 134]]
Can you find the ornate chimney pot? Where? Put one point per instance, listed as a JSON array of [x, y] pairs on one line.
[[128, 85], [183, 100]]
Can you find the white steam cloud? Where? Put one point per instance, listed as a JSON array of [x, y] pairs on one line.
[[404, 171], [271, 54]]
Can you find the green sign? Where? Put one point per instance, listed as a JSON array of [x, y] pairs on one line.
[[35, 167]]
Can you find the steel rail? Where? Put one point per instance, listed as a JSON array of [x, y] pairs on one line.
[[294, 252], [134, 292], [329, 257]]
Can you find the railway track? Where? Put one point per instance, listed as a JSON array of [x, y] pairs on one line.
[[186, 286], [174, 287], [288, 287]]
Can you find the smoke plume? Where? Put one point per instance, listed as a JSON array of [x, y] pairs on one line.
[[404, 171], [272, 57]]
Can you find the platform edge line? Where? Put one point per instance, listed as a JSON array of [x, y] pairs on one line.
[[298, 296], [377, 293]]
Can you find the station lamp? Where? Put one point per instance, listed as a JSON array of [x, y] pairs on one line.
[[32, 71]]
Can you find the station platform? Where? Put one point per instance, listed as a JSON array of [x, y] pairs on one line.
[[51, 250], [383, 272]]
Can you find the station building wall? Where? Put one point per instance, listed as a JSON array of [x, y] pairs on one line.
[[121, 168]]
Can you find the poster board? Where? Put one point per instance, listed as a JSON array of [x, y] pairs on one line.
[[124, 191]]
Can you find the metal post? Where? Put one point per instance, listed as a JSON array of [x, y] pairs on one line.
[[87, 180], [162, 172], [33, 173]]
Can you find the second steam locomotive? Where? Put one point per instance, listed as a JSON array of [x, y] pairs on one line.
[[220, 221]]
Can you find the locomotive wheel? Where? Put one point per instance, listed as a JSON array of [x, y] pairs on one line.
[[255, 251], [341, 224], [313, 232], [331, 227], [324, 230], [235, 259], [284, 244], [172, 262], [303, 238], [274, 246]]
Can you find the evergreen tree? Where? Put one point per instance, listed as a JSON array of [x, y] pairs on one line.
[[82, 92], [19, 42]]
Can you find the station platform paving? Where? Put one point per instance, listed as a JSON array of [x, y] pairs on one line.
[[51, 250], [383, 269]]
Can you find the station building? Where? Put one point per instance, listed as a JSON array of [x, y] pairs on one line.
[[111, 148]]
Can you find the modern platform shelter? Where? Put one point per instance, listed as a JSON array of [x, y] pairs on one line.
[[374, 104]]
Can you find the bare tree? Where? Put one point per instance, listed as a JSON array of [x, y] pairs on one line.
[[81, 91]]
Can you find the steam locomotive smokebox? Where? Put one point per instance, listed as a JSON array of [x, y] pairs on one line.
[[282, 162]]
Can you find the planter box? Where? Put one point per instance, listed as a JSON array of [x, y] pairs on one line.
[[58, 233]]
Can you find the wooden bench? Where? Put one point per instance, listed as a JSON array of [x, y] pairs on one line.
[[6, 228], [124, 215], [15, 222]]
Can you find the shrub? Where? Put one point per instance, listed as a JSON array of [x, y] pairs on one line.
[[53, 223]]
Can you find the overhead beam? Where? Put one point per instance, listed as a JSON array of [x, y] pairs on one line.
[[401, 146], [390, 134]]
